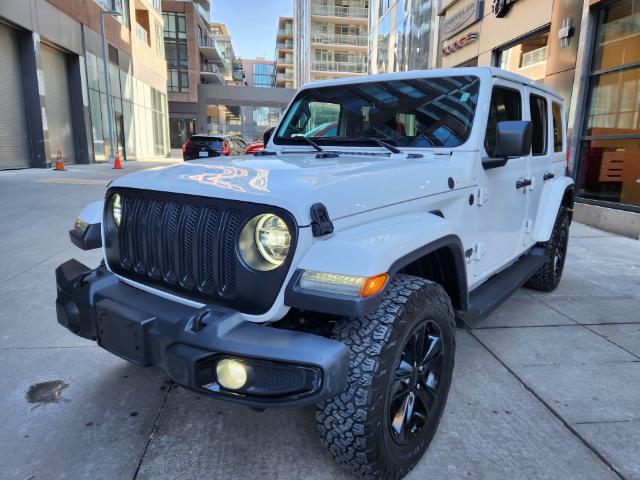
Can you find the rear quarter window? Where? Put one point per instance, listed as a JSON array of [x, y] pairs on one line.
[[556, 111]]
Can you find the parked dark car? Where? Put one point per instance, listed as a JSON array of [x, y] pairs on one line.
[[205, 146]]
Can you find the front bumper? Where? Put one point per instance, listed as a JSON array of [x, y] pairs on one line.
[[285, 367]]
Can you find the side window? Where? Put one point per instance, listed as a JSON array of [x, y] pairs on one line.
[[557, 127], [506, 104], [539, 122]]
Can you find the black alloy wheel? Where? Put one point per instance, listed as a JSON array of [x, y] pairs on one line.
[[415, 385]]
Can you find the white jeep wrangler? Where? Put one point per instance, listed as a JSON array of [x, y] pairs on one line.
[[331, 268]]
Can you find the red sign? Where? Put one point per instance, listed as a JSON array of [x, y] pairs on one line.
[[461, 42]]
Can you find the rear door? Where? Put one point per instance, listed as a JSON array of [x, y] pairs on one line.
[[539, 162], [502, 205]]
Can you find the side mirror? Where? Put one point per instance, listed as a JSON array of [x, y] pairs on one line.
[[513, 139], [267, 135]]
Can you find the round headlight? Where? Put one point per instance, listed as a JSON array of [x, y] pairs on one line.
[[116, 209], [273, 238]]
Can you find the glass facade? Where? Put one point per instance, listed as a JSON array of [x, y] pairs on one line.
[[247, 121], [400, 35], [609, 151], [263, 75], [175, 47], [139, 111]]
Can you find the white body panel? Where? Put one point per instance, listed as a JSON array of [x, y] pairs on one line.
[[92, 213], [380, 204]]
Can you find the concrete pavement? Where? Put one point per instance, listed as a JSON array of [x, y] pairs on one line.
[[548, 387]]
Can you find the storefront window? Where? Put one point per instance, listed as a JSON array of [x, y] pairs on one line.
[[618, 37], [528, 58], [609, 154]]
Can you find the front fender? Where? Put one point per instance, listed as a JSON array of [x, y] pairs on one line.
[[550, 202], [384, 246], [371, 249]]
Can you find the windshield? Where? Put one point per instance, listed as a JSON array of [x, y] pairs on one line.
[[421, 112]]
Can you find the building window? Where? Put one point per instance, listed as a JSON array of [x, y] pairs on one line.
[[263, 75], [175, 50], [527, 58], [609, 150], [177, 80]]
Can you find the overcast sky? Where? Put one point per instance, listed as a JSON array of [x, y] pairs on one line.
[[252, 24]]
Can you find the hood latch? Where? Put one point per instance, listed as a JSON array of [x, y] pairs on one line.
[[321, 224]]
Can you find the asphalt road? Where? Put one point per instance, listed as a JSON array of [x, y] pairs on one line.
[[548, 387]]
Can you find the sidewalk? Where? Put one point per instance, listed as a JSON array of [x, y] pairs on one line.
[[547, 387]]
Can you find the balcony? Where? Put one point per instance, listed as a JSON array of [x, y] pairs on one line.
[[209, 48], [285, 45], [142, 34], [211, 73], [534, 57], [339, 11], [286, 60], [285, 32], [284, 77], [339, 67], [339, 39]]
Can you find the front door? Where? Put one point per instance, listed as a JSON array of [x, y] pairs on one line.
[[502, 205]]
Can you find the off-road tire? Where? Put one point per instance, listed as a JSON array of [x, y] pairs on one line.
[[353, 426], [547, 278]]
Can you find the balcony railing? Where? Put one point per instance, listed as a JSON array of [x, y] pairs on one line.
[[210, 67], [285, 31], [288, 60], [142, 34], [284, 45], [534, 57], [339, 39], [345, 67], [339, 11], [284, 76]]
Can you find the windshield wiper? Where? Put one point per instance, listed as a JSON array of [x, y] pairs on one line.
[[317, 147], [386, 145]]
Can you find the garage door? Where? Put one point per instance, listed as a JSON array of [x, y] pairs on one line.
[[14, 135], [58, 103]]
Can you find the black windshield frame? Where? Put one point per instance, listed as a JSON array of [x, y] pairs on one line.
[[427, 112]]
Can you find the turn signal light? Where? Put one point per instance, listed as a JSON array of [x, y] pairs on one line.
[[373, 285]]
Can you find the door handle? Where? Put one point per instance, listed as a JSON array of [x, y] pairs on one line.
[[548, 176], [523, 183]]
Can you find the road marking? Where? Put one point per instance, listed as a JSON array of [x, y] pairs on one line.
[[73, 181]]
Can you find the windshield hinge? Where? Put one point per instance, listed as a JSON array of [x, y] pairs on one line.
[[321, 224]]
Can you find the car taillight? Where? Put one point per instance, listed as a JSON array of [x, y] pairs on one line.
[[225, 149], [184, 146]]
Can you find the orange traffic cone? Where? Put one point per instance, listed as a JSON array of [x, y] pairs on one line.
[[117, 165], [59, 162]]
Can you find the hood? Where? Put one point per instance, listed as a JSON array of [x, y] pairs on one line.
[[346, 185]]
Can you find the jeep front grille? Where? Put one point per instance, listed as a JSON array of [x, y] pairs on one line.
[[187, 244]]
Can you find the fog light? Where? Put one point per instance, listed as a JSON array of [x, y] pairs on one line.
[[231, 374]]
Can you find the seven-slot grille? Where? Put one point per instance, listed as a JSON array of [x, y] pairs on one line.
[[180, 243]]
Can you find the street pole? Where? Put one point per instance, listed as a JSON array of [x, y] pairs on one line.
[[106, 80]]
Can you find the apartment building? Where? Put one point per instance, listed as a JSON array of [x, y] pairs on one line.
[[54, 91], [330, 39], [193, 57], [233, 73], [284, 76]]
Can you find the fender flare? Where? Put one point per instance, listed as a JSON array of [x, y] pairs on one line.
[[384, 246], [552, 197]]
